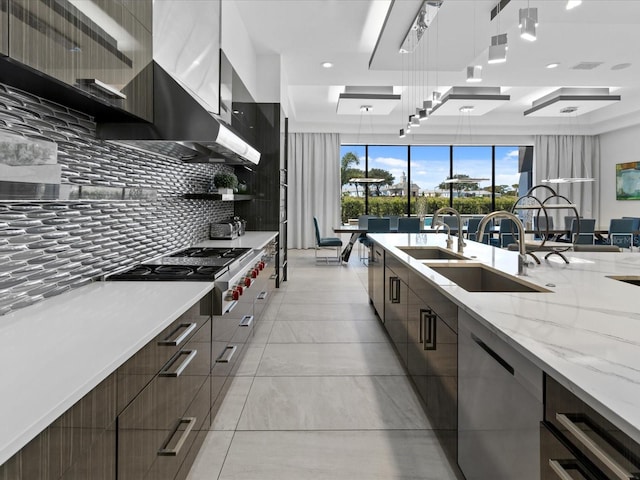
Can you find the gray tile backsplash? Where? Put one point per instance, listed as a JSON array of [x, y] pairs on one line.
[[49, 247]]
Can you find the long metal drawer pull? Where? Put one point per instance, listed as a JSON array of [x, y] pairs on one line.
[[168, 341], [246, 320], [559, 470], [503, 363], [172, 452], [617, 469], [430, 319], [227, 354], [261, 296], [176, 373]]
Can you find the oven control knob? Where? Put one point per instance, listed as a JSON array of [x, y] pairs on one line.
[[254, 273], [235, 294], [239, 288], [247, 282], [261, 265]]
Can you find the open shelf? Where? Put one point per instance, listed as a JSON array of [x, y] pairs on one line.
[[225, 197]]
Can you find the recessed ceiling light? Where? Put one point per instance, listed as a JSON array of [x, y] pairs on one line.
[[466, 109], [573, 4], [553, 65], [327, 64], [621, 66]]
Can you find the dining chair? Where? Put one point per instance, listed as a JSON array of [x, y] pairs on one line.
[[621, 232], [452, 221], [507, 233], [472, 230], [326, 242], [542, 225], [408, 225], [363, 223], [635, 228], [393, 221], [375, 225], [582, 231]]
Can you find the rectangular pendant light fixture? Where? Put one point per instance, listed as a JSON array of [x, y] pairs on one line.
[[528, 22], [498, 49]]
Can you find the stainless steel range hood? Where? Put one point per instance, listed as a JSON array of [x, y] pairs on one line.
[[182, 128]]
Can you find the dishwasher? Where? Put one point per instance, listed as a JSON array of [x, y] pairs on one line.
[[500, 407]]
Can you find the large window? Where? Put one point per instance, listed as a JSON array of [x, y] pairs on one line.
[[416, 180]]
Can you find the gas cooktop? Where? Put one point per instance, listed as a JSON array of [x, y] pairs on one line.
[[196, 263]]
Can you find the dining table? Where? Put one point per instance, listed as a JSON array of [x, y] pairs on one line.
[[553, 235]]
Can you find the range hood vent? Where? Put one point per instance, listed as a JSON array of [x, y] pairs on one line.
[[182, 128]]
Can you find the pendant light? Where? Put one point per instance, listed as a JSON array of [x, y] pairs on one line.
[[498, 48], [474, 72], [528, 21]]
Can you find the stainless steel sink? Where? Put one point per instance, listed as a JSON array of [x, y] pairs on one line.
[[431, 253], [630, 279], [478, 278]]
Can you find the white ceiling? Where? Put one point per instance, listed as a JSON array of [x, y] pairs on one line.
[[306, 33]]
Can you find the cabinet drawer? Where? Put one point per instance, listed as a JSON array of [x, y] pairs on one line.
[[153, 416], [179, 440], [557, 461], [590, 434], [144, 365]]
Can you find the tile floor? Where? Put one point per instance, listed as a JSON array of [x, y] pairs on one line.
[[320, 393]]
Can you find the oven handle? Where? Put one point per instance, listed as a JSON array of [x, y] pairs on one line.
[[617, 469], [231, 306]]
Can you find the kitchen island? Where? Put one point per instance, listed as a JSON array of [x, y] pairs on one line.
[[581, 328], [56, 351]]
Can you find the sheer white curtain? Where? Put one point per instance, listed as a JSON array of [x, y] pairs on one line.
[[562, 156], [314, 186]]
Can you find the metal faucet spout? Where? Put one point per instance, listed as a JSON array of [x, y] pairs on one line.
[[434, 221], [449, 241], [522, 252]]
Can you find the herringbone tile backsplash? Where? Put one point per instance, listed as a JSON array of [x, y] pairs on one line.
[[50, 247]]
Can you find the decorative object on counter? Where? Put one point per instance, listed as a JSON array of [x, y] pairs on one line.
[[532, 208], [242, 186], [225, 182]]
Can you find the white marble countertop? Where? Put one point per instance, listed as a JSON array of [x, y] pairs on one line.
[[54, 352], [254, 240], [585, 333]]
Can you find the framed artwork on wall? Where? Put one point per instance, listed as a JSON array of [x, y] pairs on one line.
[[628, 181]]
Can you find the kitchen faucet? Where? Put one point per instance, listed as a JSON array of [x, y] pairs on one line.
[[522, 255], [434, 221], [449, 240]]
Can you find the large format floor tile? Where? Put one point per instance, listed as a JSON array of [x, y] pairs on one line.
[[371, 455], [329, 331], [317, 311], [320, 393], [332, 403], [329, 359]]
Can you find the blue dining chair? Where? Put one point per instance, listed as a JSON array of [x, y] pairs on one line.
[[375, 225], [408, 225], [582, 231], [621, 232], [508, 232], [472, 230], [635, 228], [325, 242]]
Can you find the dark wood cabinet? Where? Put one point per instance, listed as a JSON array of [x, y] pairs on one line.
[[80, 444], [576, 438], [376, 279], [432, 358], [4, 27], [99, 47], [156, 430], [395, 306]]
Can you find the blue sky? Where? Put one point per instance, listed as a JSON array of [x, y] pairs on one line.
[[430, 164]]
